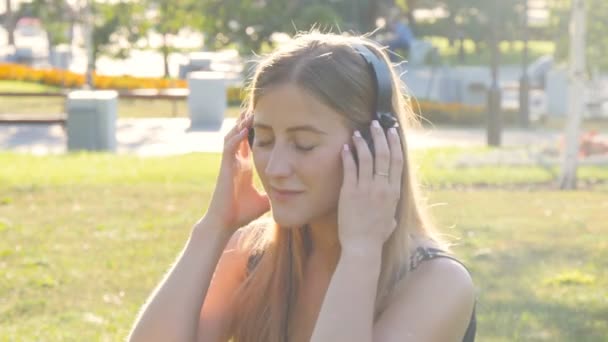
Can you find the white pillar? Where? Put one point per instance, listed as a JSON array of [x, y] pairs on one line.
[[206, 100], [91, 120], [576, 95]]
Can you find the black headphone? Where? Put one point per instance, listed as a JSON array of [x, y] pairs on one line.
[[384, 87], [384, 114], [384, 94]]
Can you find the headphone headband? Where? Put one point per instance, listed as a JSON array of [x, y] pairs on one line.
[[384, 89]]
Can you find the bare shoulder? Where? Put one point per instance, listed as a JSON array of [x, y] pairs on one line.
[[239, 248], [439, 292], [438, 272], [230, 272]]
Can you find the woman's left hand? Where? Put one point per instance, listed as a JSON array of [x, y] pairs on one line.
[[369, 197]]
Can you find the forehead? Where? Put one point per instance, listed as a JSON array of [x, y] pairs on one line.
[[289, 105]]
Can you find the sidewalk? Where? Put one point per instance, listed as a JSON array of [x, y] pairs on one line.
[[169, 136]]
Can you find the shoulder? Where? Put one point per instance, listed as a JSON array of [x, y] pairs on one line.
[[439, 292], [248, 241], [442, 273]]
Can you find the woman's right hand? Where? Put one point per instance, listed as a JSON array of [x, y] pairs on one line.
[[236, 201]]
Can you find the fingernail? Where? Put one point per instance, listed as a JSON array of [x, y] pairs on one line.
[[392, 130], [375, 124], [358, 134], [345, 148]]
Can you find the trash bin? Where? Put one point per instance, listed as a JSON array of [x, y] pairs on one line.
[[206, 100], [91, 120]]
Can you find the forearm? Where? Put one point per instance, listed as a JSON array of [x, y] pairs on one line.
[[347, 313], [172, 312]]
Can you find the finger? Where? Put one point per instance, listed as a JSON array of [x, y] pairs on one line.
[[381, 151], [349, 168], [396, 168], [245, 120], [242, 122], [232, 132], [231, 144], [244, 149], [365, 160]]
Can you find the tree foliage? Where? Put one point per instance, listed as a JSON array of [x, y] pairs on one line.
[[54, 16], [597, 40], [170, 16], [116, 27], [249, 24]]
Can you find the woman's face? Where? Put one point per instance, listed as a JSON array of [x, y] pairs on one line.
[[296, 152]]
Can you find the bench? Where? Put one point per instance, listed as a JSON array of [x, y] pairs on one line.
[[13, 119]]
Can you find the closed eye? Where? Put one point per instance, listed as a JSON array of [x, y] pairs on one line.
[[304, 148], [298, 147]]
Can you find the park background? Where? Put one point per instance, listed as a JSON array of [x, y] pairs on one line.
[[86, 233]]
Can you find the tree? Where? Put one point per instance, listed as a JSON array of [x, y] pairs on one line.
[[169, 18], [116, 27], [9, 19], [597, 41], [249, 24], [54, 17], [575, 94], [470, 18]]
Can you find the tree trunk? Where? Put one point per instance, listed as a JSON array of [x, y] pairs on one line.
[[165, 50], [452, 23], [411, 6], [576, 91], [51, 50], [10, 27]]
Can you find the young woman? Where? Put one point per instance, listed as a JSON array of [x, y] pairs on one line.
[[347, 252]]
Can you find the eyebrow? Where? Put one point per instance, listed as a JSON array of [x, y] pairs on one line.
[[292, 129]]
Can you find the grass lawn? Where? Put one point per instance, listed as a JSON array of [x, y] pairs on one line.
[[30, 87], [84, 238]]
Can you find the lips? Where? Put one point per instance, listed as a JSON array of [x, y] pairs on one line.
[[284, 194]]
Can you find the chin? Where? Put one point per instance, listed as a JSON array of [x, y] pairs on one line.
[[288, 220]]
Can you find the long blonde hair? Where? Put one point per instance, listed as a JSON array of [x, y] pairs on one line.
[[328, 67]]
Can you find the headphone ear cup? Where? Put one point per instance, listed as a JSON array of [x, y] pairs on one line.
[[250, 137], [386, 120]]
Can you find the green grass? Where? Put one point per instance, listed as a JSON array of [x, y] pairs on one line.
[[437, 170], [84, 238], [20, 86]]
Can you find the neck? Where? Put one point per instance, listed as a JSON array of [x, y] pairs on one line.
[[325, 242]]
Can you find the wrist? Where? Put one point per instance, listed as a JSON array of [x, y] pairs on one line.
[[207, 228], [362, 252]]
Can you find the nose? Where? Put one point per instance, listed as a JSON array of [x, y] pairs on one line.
[[278, 163]]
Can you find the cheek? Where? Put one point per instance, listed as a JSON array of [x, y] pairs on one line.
[[327, 170], [260, 160]]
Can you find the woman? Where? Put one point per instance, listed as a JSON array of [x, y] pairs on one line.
[[348, 253]]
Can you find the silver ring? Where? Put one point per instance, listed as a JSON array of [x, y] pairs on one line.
[[382, 174]]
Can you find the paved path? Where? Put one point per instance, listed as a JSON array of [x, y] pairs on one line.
[[167, 136]]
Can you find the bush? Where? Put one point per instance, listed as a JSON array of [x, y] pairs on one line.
[[68, 79]]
